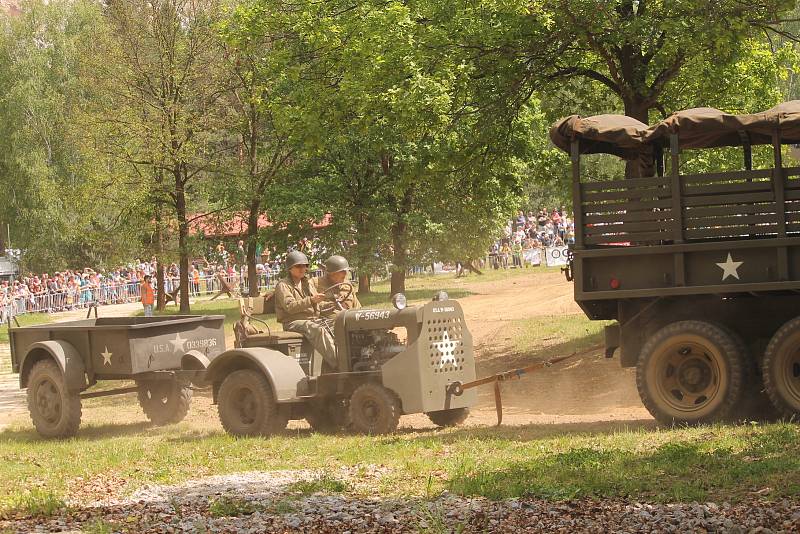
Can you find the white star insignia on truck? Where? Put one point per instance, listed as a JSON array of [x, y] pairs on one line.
[[730, 268]]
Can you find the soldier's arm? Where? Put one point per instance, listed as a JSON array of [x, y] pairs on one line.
[[285, 299], [356, 303]]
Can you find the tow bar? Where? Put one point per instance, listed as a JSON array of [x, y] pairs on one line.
[[458, 388]]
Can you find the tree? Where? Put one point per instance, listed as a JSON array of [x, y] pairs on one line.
[[160, 71]]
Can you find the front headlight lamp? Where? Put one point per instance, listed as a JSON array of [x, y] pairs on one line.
[[399, 301]]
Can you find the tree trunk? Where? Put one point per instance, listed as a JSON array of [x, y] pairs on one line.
[[637, 108], [363, 284], [161, 298], [252, 235], [399, 244], [183, 233]]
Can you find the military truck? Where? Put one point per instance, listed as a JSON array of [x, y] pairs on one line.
[[390, 362], [700, 271], [58, 363]]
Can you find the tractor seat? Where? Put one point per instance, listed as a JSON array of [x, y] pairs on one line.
[[265, 338]]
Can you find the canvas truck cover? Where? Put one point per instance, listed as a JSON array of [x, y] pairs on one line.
[[629, 138]]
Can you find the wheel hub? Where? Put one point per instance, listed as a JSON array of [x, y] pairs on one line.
[[246, 406], [48, 401], [689, 378]]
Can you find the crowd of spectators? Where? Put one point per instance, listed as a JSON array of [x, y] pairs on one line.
[[79, 288], [546, 228]]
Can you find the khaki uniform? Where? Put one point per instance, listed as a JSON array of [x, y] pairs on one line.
[[294, 309], [329, 310]]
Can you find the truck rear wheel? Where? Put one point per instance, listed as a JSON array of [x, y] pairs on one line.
[[54, 410], [164, 402], [781, 369], [247, 405], [690, 372], [453, 417], [374, 409]]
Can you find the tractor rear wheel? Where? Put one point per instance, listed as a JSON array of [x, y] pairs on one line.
[[164, 402], [691, 372], [55, 411], [780, 369], [374, 409], [452, 417], [247, 405]]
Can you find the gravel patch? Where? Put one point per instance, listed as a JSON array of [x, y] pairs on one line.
[[269, 502]]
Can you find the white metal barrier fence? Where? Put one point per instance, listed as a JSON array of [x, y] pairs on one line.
[[111, 292]]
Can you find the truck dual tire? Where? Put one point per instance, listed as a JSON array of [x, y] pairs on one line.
[[780, 369], [164, 402], [374, 409], [691, 372], [446, 418], [54, 410], [247, 405]]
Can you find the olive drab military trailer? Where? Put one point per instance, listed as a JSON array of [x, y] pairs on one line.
[[390, 362], [165, 356], [700, 271]]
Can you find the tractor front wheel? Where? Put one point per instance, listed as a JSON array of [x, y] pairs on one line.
[[374, 409], [452, 417]]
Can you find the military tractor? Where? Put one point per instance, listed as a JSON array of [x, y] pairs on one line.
[[390, 362], [699, 270]]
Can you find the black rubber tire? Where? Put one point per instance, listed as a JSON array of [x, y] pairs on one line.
[[720, 364], [452, 417], [55, 411], [164, 402], [780, 370], [374, 409], [247, 405], [329, 417]]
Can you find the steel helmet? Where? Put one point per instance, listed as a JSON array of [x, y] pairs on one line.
[[295, 257], [334, 264]]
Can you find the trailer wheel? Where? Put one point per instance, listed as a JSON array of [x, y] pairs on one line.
[[328, 418], [247, 405], [164, 402], [452, 417], [374, 409], [780, 369], [691, 372], [54, 410]]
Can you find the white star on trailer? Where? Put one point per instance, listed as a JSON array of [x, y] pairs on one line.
[[178, 343], [730, 268], [106, 357]]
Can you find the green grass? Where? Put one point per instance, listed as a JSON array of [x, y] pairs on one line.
[[322, 484], [24, 320], [33, 502], [551, 461], [570, 333], [232, 507]]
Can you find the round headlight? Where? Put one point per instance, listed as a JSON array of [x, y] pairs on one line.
[[441, 295], [399, 301]]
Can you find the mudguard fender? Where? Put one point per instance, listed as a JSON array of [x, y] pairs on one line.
[[64, 354], [194, 360], [285, 375]]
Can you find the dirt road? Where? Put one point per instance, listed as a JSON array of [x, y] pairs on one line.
[[585, 390]]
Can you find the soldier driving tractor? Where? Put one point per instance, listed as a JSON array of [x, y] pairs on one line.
[[300, 306]]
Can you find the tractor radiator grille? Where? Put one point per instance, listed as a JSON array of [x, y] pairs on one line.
[[445, 344]]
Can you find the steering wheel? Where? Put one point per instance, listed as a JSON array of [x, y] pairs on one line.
[[347, 287]]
